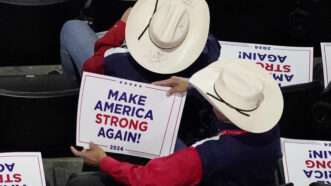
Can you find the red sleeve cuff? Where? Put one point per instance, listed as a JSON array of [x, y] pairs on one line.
[[106, 163]]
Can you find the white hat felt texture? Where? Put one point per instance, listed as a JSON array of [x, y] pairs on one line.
[[244, 92], [167, 36]]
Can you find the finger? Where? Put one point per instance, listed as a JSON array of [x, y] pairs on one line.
[[93, 146], [171, 91], [165, 83], [76, 152]]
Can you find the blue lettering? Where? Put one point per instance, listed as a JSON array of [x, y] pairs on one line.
[[112, 94], [118, 108], [262, 56], [318, 154], [98, 106], [282, 59], [272, 58], [142, 100], [247, 56], [118, 135], [289, 77], [149, 115], [132, 137], [318, 174], [308, 173], [5, 166], [138, 114], [126, 110], [108, 107], [123, 97], [278, 77], [101, 132], [132, 98], [109, 133]]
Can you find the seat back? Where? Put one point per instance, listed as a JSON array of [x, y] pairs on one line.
[[297, 121], [38, 114]]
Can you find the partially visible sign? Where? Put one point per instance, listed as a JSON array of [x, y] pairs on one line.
[[21, 169], [128, 117], [306, 161], [287, 65], [326, 57]]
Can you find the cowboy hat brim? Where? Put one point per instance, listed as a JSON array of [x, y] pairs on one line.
[[264, 118], [166, 61]]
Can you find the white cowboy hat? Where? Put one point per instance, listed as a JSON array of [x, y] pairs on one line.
[[167, 36], [244, 92]]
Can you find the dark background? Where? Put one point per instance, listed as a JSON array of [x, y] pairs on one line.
[[29, 35]]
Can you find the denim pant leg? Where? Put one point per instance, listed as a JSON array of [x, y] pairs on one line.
[[77, 41]]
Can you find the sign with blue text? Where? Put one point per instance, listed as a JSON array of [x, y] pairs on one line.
[[287, 65], [326, 57], [21, 169], [128, 117], [306, 161]]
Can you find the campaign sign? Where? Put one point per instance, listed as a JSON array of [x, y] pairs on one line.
[[21, 169], [128, 117], [287, 65], [306, 161], [326, 55]]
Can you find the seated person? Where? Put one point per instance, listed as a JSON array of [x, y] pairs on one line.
[[79, 42], [247, 103]]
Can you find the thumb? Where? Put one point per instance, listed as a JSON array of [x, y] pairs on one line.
[[93, 146], [171, 91], [76, 152]]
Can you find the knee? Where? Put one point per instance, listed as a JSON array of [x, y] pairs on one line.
[[70, 27]]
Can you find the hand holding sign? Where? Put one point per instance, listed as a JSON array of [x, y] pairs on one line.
[[91, 156], [176, 84]]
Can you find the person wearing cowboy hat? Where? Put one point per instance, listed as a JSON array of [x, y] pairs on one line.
[[247, 103], [133, 46], [155, 40], [165, 38]]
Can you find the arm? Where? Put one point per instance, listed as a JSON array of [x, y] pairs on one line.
[[181, 168], [113, 38]]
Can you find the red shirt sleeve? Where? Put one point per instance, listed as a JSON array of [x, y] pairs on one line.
[[113, 38], [181, 168]]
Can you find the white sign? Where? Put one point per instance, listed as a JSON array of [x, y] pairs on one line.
[[326, 55], [21, 169], [306, 161], [128, 117], [287, 65]]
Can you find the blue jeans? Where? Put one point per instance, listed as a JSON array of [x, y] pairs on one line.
[[77, 41]]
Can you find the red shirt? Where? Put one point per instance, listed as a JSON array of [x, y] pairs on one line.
[[113, 38], [181, 168]]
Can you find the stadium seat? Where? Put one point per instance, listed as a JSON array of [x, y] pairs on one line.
[[38, 113]]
